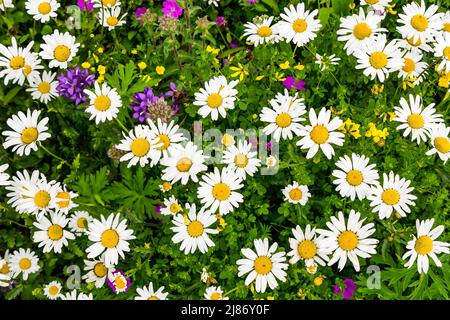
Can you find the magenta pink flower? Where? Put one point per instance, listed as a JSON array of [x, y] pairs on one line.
[[171, 9], [350, 287], [86, 5], [291, 82]]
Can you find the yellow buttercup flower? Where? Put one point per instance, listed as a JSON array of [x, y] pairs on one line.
[[147, 245], [377, 135], [285, 65], [212, 50], [258, 78], [101, 69], [241, 72], [142, 65], [86, 65], [444, 80], [299, 67], [279, 76], [101, 78], [160, 70], [351, 128], [100, 50], [134, 51]]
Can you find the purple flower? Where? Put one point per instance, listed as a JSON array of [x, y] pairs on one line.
[[171, 8], [252, 1], [234, 44], [221, 21], [118, 281], [290, 82], [147, 105], [141, 103], [73, 82], [175, 95], [86, 5], [350, 287], [269, 145], [139, 12], [158, 208]]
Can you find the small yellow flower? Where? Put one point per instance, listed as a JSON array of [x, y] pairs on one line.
[[444, 81], [213, 50], [270, 298], [279, 76], [377, 135], [92, 35], [299, 67], [352, 5], [241, 72], [101, 69], [160, 70], [351, 128], [101, 78], [142, 65], [100, 50], [147, 245], [86, 65], [222, 223], [258, 78], [134, 51], [254, 116], [146, 78], [93, 69], [95, 58], [390, 9], [227, 140], [318, 281], [377, 89], [301, 294], [166, 186], [285, 65]]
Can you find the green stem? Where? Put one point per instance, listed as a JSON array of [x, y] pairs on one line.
[[12, 221], [228, 293], [121, 125], [52, 154]]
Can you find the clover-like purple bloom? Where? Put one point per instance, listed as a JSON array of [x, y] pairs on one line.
[[139, 12], [290, 82], [350, 287], [171, 9], [73, 82], [221, 21], [86, 5], [141, 102]]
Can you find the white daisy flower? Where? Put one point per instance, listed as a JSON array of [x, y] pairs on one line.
[[171, 207], [307, 246], [97, 271], [217, 190], [19, 63], [271, 161], [165, 186], [64, 200], [44, 88], [73, 295], [106, 3], [168, 135], [393, 194], [284, 116], [42, 10], [183, 163], [79, 222], [147, 293], [355, 176], [263, 266], [192, 230], [415, 120], [348, 241], [27, 132], [425, 246], [379, 5], [59, 48], [52, 234], [324, 62], [419, 45], [321, 133], [359, 30], [379, 58], [442, 51], [216, 97], [118, 281], [241, 160], [140, 146], [213, 2], [298, 26], [445, 23], [439, 137], [4, 177], [6, 4], [111, 236], [18, 186], [214, 293], [104, 103], [261, 31], [110, 18], [413, 67], [23, 262], [295, 193], [5, 270], [53, 290], [418, 22]]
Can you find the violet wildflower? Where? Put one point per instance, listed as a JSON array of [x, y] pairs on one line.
[[269, 145], [252, 1], [118, 281], [171, 9], [147, 105], [73, 82], [221, 21], [141, 103], [350, 287], [86, 5], [175, 95], [160, 109], [290, 82], [234, 44], [139, 13]]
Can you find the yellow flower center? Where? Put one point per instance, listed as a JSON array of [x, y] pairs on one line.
[[446, 27], [5, 268], [81, 223], [44, 8], [55, 232], [25, 264], [348, 240], [264, 31], [53, 290], [120, 283], [27, 70], [447, 53], [42, 199], [214, 100], [283, 120], [112, 21], [221, 191], [390, 197], [362, 30], [227, 139], [108, 2], [409, 65], [164, 139], [166, 185], [300, 25], [372, 2], [184, 164], [44, 87], [307, 249], [153, 298], [415, 121], [241, 160], [319, 134], [174, 207], [263, 265], [63, 195], [442, 144], [110, 238], [61, 53], [195, 229], [424, 245], [215, 296], [295, 194], [17, 62], [414, 44], [100, 270], [419, 22], [378, 60], [102, 103], [140, 147], [29, 135], [354, 177]]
